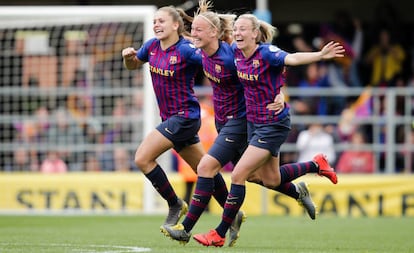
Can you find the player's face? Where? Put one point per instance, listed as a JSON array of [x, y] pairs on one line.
[[244, 34], [163, 25], [202, 33]]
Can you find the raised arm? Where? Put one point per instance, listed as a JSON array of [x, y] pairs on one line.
[[329, 51], [130, 58]]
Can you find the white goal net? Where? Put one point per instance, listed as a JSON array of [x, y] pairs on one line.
[[63, 86], [64, 91]]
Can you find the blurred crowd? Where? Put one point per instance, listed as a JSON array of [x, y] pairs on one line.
[[379, 55], [89, 132]]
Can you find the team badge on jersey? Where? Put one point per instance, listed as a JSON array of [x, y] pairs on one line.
[[173, 59], [256, 63], [217, 68]]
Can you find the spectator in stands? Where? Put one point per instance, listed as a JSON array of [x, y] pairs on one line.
[[21, 162], [315, 77], [136, 113], [386, 59], [53, 163], [65, 135], [348, 30], [33, 130], [313, 141], [123, 160], [354, 159], [297, 43], [80, 108], [92, 163], [118, 131], [42, 123], [346, 125], [343, 72]]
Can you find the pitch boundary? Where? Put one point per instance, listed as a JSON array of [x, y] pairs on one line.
[[92, 248]]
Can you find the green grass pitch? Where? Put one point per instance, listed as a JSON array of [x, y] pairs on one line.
[[140, 233]]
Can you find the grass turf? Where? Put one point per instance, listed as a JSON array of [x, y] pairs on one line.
[[123, 234]]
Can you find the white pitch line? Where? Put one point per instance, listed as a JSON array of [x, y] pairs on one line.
[[85, 248]]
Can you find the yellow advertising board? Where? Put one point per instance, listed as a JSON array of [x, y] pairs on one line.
[[354, 195], [83, 191]]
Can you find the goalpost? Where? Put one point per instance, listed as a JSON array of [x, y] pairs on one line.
[[66, 60]]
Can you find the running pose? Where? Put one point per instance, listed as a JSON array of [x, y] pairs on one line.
[[173, 63], [209, 30], [260, 68]]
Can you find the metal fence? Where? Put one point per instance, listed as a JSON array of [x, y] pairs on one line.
[[390, 117], [384, 120]]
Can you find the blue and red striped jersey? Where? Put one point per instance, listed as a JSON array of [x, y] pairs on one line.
[[228, 94], [262, 75], [173, 71]]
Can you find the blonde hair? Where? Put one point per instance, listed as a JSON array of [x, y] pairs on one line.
[[266, 30], [222, 22]]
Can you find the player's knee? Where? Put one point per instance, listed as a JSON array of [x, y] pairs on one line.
[[254, 179], [271, 183], [237, 179], [206, 170], [141, 162]]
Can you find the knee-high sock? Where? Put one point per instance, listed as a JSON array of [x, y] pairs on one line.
[[160, 182], [220, 189], [231, 208], [288, 189], [291, 171], [188, 191], [201, 197]]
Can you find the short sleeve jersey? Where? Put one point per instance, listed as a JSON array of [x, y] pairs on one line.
[[228, 94], [173, 71], [262, 75]]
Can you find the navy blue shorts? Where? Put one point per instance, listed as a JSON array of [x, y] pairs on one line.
[[230, 142], [182, 132], [269, 136]]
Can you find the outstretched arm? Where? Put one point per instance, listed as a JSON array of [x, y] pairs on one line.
[[329, 51]]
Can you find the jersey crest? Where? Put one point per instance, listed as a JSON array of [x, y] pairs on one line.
[[256, 63], [217, 68], [173, 59]]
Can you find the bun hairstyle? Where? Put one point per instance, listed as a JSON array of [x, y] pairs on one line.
[[223, 23]]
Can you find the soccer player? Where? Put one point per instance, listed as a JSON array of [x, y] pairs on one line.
[[173, 63], [209, 30], [260, 68]]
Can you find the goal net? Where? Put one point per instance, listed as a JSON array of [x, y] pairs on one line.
[[64, 90]]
